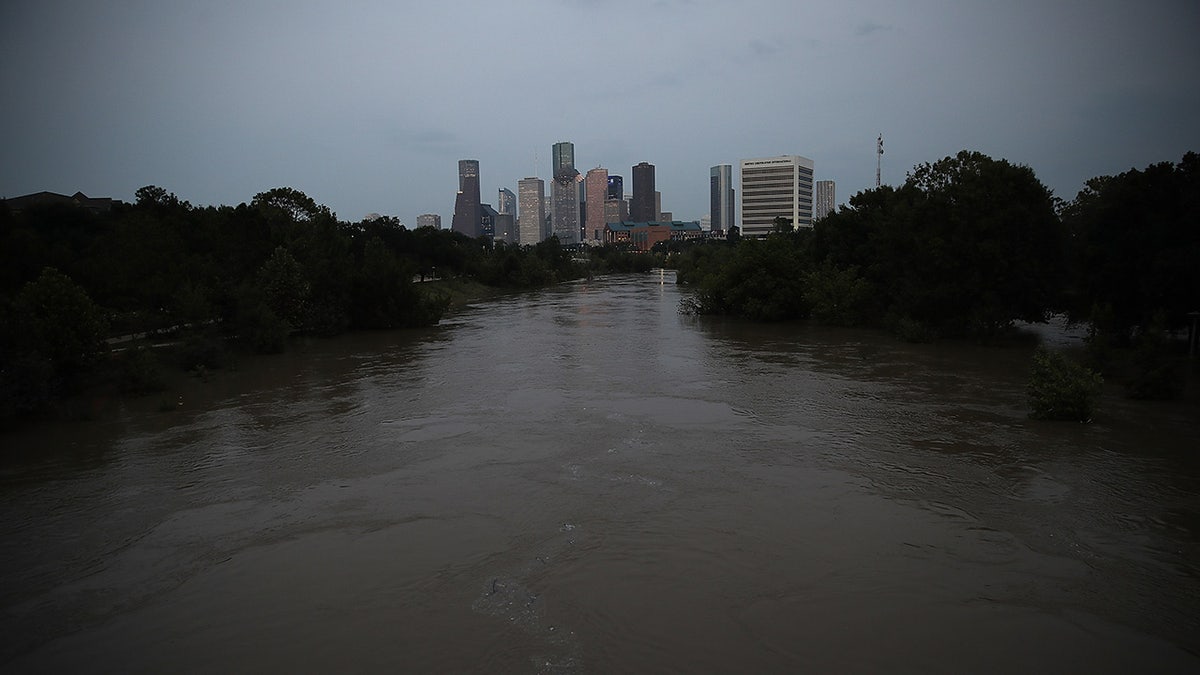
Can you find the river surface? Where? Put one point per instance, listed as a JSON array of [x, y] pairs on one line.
[[583, 480]]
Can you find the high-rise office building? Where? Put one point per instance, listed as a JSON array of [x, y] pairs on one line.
[[467, 214], [429, 220], [562, 156], [720, 197], [564, 194], [826, 200], [487, 221], [532, 216], [616, 211], [596, 187], [506, 228], [616, 187], [642, 208], [506, 202], [774, 187]]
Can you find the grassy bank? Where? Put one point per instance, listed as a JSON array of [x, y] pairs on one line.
[[460, 290]]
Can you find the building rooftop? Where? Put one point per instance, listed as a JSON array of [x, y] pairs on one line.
[[94, 204], [678, 225]]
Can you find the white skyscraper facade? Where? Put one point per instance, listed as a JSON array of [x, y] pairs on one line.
[[774, 187], [531, 215], [826, 199]]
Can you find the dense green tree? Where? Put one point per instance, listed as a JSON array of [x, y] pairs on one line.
[[1136, 245], [965, 246], [839, 296], [761, 280], [383, 291], [51, 332], [1156, 370], [155, 197], [989, 246], [55, 318], [258, 272], [291, 205], [285, 287]]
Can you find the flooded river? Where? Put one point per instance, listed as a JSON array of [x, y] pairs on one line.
[[582, 480]]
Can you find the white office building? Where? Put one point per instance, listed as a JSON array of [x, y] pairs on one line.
[[774, 187]]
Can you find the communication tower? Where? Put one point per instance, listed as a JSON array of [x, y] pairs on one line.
[[878, 158]]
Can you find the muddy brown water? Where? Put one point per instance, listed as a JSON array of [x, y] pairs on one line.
[[583, 480]]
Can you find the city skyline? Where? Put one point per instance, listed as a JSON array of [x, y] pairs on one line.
[[203, 100]]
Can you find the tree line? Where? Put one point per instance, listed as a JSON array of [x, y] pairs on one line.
[[968, 245], [72, 281]]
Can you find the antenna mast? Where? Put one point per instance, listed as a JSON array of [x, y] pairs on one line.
[[878, 158]]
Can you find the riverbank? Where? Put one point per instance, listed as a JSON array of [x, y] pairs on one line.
[[460, 290], [169, 371], [165, 374]]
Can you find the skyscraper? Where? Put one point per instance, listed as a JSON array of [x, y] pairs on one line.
[[506, 202], [826, 199], [642, 209], [775, 187], [487, 221], [429, 220], [564, 193], [532, 217], [596, 187], [466, 203], [615, 211], [720, 197], [562, 155], [616, 187]]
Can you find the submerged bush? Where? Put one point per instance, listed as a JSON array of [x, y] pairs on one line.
[[1060, 389], [140, 372], [202, 351], [1157, 373], [913, 330]]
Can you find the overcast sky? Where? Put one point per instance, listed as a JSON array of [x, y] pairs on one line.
[[368, 106]]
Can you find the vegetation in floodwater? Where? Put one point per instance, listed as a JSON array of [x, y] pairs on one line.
[[1060, 388]]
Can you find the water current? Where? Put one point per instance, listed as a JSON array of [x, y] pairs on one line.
[[584, 480]]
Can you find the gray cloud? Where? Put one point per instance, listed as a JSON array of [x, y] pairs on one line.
[[368, 106], [763, 49], [868, 27]]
